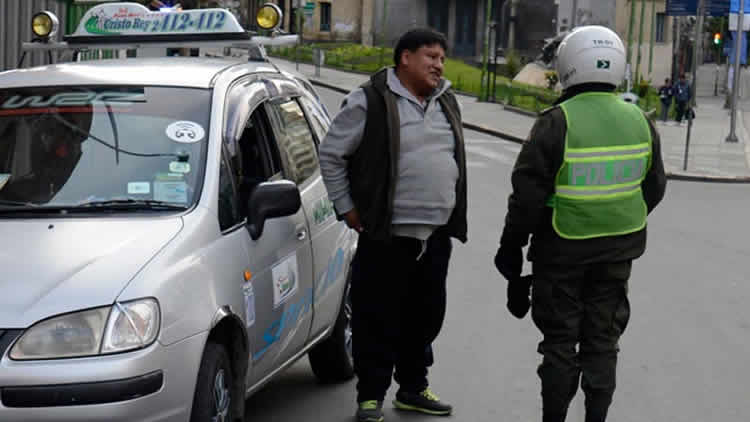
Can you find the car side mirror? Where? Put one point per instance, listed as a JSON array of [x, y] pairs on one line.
[[271, 200]]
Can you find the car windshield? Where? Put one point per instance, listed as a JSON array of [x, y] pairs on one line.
[[102, 147]]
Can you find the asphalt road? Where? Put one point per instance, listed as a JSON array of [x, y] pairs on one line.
[[684, 354]]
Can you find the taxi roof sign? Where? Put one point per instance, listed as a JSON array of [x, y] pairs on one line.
[[133, 22]]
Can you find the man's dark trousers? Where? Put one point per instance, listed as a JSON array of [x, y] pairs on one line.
[[665, 105], [398, 308], [588, 306], [681, 109]]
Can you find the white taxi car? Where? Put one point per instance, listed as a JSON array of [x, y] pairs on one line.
[[169, 245]]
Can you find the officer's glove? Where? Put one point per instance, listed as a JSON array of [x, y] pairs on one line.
[[509, 261], [518, 296]]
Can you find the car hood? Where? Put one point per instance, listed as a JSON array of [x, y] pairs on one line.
[[52, 267]]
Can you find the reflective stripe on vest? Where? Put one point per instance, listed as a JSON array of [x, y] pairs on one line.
[[607, 156]]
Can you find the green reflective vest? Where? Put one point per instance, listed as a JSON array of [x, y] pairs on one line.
[[607, 156]]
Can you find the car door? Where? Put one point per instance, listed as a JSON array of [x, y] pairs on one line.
[[278, 293], [332, 240], [299, 147]]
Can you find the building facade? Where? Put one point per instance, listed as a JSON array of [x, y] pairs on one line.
[[654, 66], [463, 22]]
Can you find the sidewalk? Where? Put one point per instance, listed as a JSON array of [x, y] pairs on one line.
[[710, 158]]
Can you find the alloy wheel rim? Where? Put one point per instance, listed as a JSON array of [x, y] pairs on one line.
[[222, 398], [348, 326]]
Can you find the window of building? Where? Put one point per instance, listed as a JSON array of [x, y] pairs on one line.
[[325, 17], [661, 25]]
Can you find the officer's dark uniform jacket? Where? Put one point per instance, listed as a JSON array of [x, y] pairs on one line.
[[372, 168], [533, 182]]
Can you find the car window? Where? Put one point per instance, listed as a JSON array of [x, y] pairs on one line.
[[73, 146], [294, 139], [228, 207], [317, 118], [255, 159]]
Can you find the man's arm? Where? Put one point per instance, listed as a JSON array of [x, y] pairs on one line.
[[533, 179], [342, 140], [655, 183]]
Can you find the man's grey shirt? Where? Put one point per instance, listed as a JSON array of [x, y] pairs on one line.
[[427, 171]]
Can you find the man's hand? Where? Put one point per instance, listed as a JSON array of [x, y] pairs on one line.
[[509, 261], [518, 296], [352, 220]]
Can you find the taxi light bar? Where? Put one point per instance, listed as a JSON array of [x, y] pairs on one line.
[[133, 22], [132, 26]]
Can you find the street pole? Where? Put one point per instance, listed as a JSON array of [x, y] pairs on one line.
[[697, 51], [739, 44], [574, 15], [676, 25], [486, 55], [653, 38], [630, 32], [640, 43], [512, 25]]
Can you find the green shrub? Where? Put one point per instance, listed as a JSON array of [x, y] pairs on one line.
[[512, 64]]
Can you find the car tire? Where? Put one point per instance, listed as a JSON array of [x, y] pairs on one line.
[[331, 360], [213, 390]]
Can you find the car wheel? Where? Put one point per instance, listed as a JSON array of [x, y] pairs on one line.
[[331, 360], [213, 391]]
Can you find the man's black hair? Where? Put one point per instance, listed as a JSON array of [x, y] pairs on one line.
[[413, 39]]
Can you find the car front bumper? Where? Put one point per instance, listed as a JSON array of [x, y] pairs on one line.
[[155, 384]]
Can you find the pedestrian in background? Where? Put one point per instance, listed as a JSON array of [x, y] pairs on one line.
[[666, 92], [681, 97], [394, 164], [583, 184]]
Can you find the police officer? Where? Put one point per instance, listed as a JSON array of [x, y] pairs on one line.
[[583, 184]]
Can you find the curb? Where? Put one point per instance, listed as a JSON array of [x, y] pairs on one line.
[[520, 111], [692, 177], [681, 176]]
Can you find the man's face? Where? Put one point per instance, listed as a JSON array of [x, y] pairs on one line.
[[425, 66]]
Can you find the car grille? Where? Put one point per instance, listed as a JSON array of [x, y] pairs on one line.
[[7, 337]]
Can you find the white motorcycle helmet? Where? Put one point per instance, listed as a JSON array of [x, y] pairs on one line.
[[591, 54]]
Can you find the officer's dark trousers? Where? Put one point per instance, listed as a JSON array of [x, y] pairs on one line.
[[398, 307], [584, 306]]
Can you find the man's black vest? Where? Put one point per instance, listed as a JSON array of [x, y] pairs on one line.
[[374, 165]]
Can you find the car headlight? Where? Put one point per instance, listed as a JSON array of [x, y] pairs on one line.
[[112, 329]]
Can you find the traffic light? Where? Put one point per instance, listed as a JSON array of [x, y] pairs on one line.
[[717, 39]]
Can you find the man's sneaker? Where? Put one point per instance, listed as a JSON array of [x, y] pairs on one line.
[[370, 411], [425, 402]]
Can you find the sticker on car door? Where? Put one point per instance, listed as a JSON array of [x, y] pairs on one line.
[[285, 280], [249, 293]]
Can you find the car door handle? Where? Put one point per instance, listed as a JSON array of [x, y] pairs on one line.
[[301, 233]]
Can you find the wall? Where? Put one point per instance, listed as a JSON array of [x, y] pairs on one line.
[[15, 28], [401, 16], [346, 22], [662, 63]]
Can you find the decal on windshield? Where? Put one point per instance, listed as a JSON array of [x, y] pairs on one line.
[[4, 177], [179, 167], [139, 188], [249, 293], [170, 191], [71, 99], [285, 276], [185, 132]]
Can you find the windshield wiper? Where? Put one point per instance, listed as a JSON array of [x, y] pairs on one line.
[[119, 204], [5, 202]]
